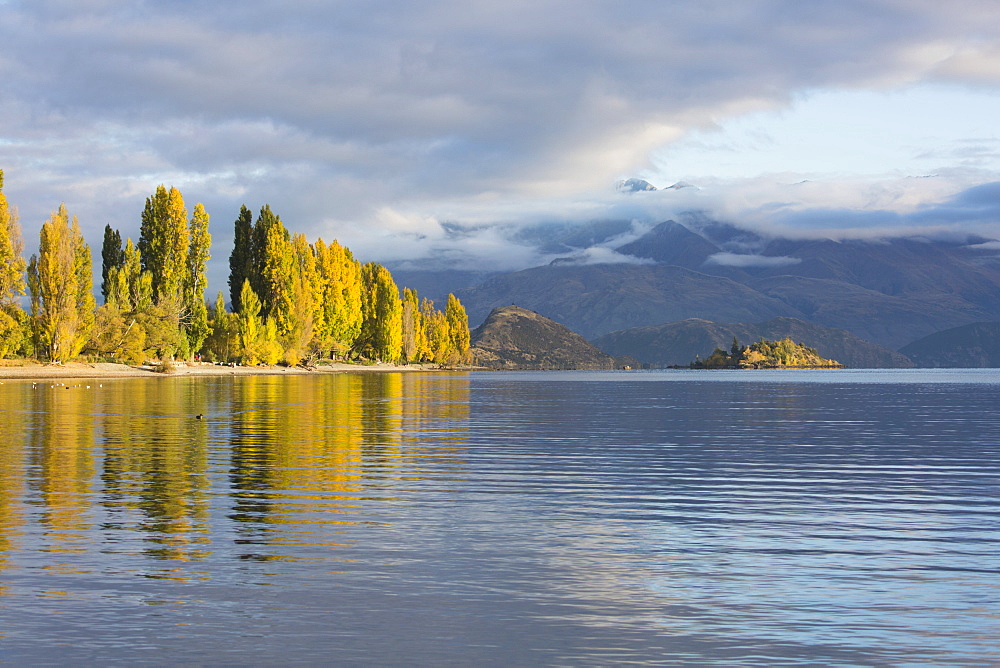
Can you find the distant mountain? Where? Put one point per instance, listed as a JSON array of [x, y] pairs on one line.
[[887, 291], [516, 338], [596, 299], [888, 320], [677, 343], [671, 243], [976, 345], [634, 186]]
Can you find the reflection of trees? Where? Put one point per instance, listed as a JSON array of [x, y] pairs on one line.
[[381, 417], [304, 452], [309, 451], [60, 463], [155, 466], [11, 484], [436, 412]]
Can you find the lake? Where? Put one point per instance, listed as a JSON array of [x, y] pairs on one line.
[[554, 518]]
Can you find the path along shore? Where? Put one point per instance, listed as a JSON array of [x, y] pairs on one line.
[[39, 371]]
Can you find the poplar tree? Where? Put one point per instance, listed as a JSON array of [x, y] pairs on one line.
[[196, 280], [270, 267], [129, 285], [458, 328], [163, 242], [250, 327], [239, 259], [381, 337], [304, 308], [112, 256], [59, 278], [12, 286], [413, 328], [340, 301], [435, 332], [223, 341]]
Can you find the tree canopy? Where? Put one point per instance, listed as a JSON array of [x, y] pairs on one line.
[[290, 300]]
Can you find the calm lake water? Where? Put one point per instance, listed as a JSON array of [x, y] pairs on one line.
[[572, 518]]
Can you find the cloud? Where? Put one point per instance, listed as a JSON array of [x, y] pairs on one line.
[[739, 260], [599, 255]]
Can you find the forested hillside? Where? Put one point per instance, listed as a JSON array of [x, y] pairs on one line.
[[291, 300]]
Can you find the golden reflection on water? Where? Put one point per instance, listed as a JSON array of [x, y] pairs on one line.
[[155, 471], [61, 467], [276, 461]]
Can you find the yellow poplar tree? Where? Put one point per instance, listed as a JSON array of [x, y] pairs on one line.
[[163, 241], [60, 281], [436, 332], [195, 279], [458, 328], [413, 327], [381, 336], [251, 329], [304, 301], [12, 286], [340, 301]]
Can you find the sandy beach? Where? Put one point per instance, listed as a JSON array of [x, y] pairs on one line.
[[40, 371]]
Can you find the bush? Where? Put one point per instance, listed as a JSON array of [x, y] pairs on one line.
[[164, 366]]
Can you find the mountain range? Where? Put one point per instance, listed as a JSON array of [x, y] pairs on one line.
[[890, 292]]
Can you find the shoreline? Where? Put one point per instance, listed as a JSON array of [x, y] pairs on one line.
[[38, 371]]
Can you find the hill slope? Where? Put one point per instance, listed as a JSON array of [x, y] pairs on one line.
[[516, 338], [969, 346], [601, 298]]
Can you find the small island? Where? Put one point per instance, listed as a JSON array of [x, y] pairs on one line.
[[783, 354]]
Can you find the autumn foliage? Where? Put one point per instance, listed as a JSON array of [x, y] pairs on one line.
[[291, 301]]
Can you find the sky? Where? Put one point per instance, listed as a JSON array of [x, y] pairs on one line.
[[432, 132]]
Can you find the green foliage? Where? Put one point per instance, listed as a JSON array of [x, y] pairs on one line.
[[161, 322], [223, 342], [112, 257], [239, 259], [270, 265]]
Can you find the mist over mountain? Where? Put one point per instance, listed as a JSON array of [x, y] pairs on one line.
[[610, 275]]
